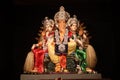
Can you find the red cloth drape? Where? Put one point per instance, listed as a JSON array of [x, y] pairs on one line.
[[63, 61], [70, 34], [39, 59]]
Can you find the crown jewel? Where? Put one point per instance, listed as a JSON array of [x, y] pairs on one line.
[[48, 22], [61, 14], [73, 20]]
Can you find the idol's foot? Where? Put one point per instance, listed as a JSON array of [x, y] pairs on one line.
[[89, 70], [34, 70], [80, 72], [58, 68], [64, 70]]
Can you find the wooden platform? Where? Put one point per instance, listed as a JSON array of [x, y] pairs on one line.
[[97, 76]]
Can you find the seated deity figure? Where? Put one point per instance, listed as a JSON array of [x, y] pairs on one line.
[[59, 47], [83, 51], [35, 58], [73, 24], [63, 46]]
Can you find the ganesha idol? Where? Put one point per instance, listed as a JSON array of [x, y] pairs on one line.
[[63, 47]]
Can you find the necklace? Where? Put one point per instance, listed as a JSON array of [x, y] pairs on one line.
[[61, 47]]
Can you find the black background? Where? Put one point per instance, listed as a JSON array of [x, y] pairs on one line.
[[21, 22]]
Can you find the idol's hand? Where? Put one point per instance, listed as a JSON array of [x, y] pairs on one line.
[[72, 40], [79, 42], [33, 46]]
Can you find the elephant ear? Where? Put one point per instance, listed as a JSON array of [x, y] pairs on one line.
[[91, 57]]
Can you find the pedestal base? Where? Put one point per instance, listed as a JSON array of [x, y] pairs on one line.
[[62, 76]]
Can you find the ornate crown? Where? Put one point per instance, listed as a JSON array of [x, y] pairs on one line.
[[72, 21], [61, 14], [48, 22]]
